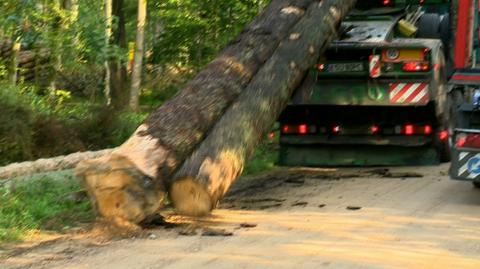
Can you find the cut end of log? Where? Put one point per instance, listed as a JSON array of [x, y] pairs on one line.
[[118, 190], [190, 198]]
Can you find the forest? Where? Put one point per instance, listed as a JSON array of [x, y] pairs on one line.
[[82, 75]]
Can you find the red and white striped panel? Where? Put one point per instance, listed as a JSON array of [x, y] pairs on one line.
[[408, 93]]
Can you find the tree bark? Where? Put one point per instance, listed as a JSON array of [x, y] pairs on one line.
[[138, 59], [108, 36], [118, 71], [208, 173], [13, 70], [50, 164], [172, 132]]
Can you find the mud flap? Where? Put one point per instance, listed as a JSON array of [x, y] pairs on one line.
[[466, 166]]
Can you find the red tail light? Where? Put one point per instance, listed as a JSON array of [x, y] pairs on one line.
[[302, 129], [321, 67], [468, 141], [409, 129], [443, 135], [416, 66], [336, 129], [386, 2], [427, 129], [375, 129], [412, 129]]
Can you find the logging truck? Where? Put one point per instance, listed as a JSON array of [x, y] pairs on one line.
[[379, 95]]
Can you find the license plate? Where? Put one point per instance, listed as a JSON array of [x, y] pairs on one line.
[[346, 67]]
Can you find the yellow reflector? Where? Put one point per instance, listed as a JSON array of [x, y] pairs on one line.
[[406, 29]]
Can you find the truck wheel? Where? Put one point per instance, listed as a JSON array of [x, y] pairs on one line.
[[429, 26], [443, 148], [454, 100], [444, 30], [476, 184]]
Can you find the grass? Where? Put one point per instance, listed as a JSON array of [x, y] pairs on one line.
[[44, 202]]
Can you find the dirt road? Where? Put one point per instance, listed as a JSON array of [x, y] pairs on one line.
[[307, 218]]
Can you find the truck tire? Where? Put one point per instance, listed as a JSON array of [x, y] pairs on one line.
[[444, 30], [454, 100], [429, 26], [444, 150]]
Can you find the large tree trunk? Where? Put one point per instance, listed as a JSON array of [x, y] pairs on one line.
[[137, 62], [173, 131], [118, 71], [207, 175]]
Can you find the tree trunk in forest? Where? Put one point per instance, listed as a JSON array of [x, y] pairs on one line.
[[173, 131], [208, 173], [57, 62], [13, 70], [108, 36], [118, 71], [138, 59]]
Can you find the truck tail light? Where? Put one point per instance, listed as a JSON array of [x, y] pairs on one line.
[[336, 129], [374, 129], [467, 140], [411, 129], [443, 135], [321, 67], [386, 2], [299, 129], [408, 129], [427, 129], [416, 66], [302, 129]]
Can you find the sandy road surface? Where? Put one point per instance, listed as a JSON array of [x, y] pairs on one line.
[[302, 222]]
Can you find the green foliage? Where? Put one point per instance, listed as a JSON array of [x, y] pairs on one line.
[[189, 32], [49, 202], [104, 128], [38, 121], [33, 125], [264, 159], [16, 120]]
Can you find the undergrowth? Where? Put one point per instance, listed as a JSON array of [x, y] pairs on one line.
[[50, 202], [38, 125], [264, 159]]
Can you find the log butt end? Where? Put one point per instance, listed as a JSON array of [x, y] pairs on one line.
[[190, 198], [118, 191]]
